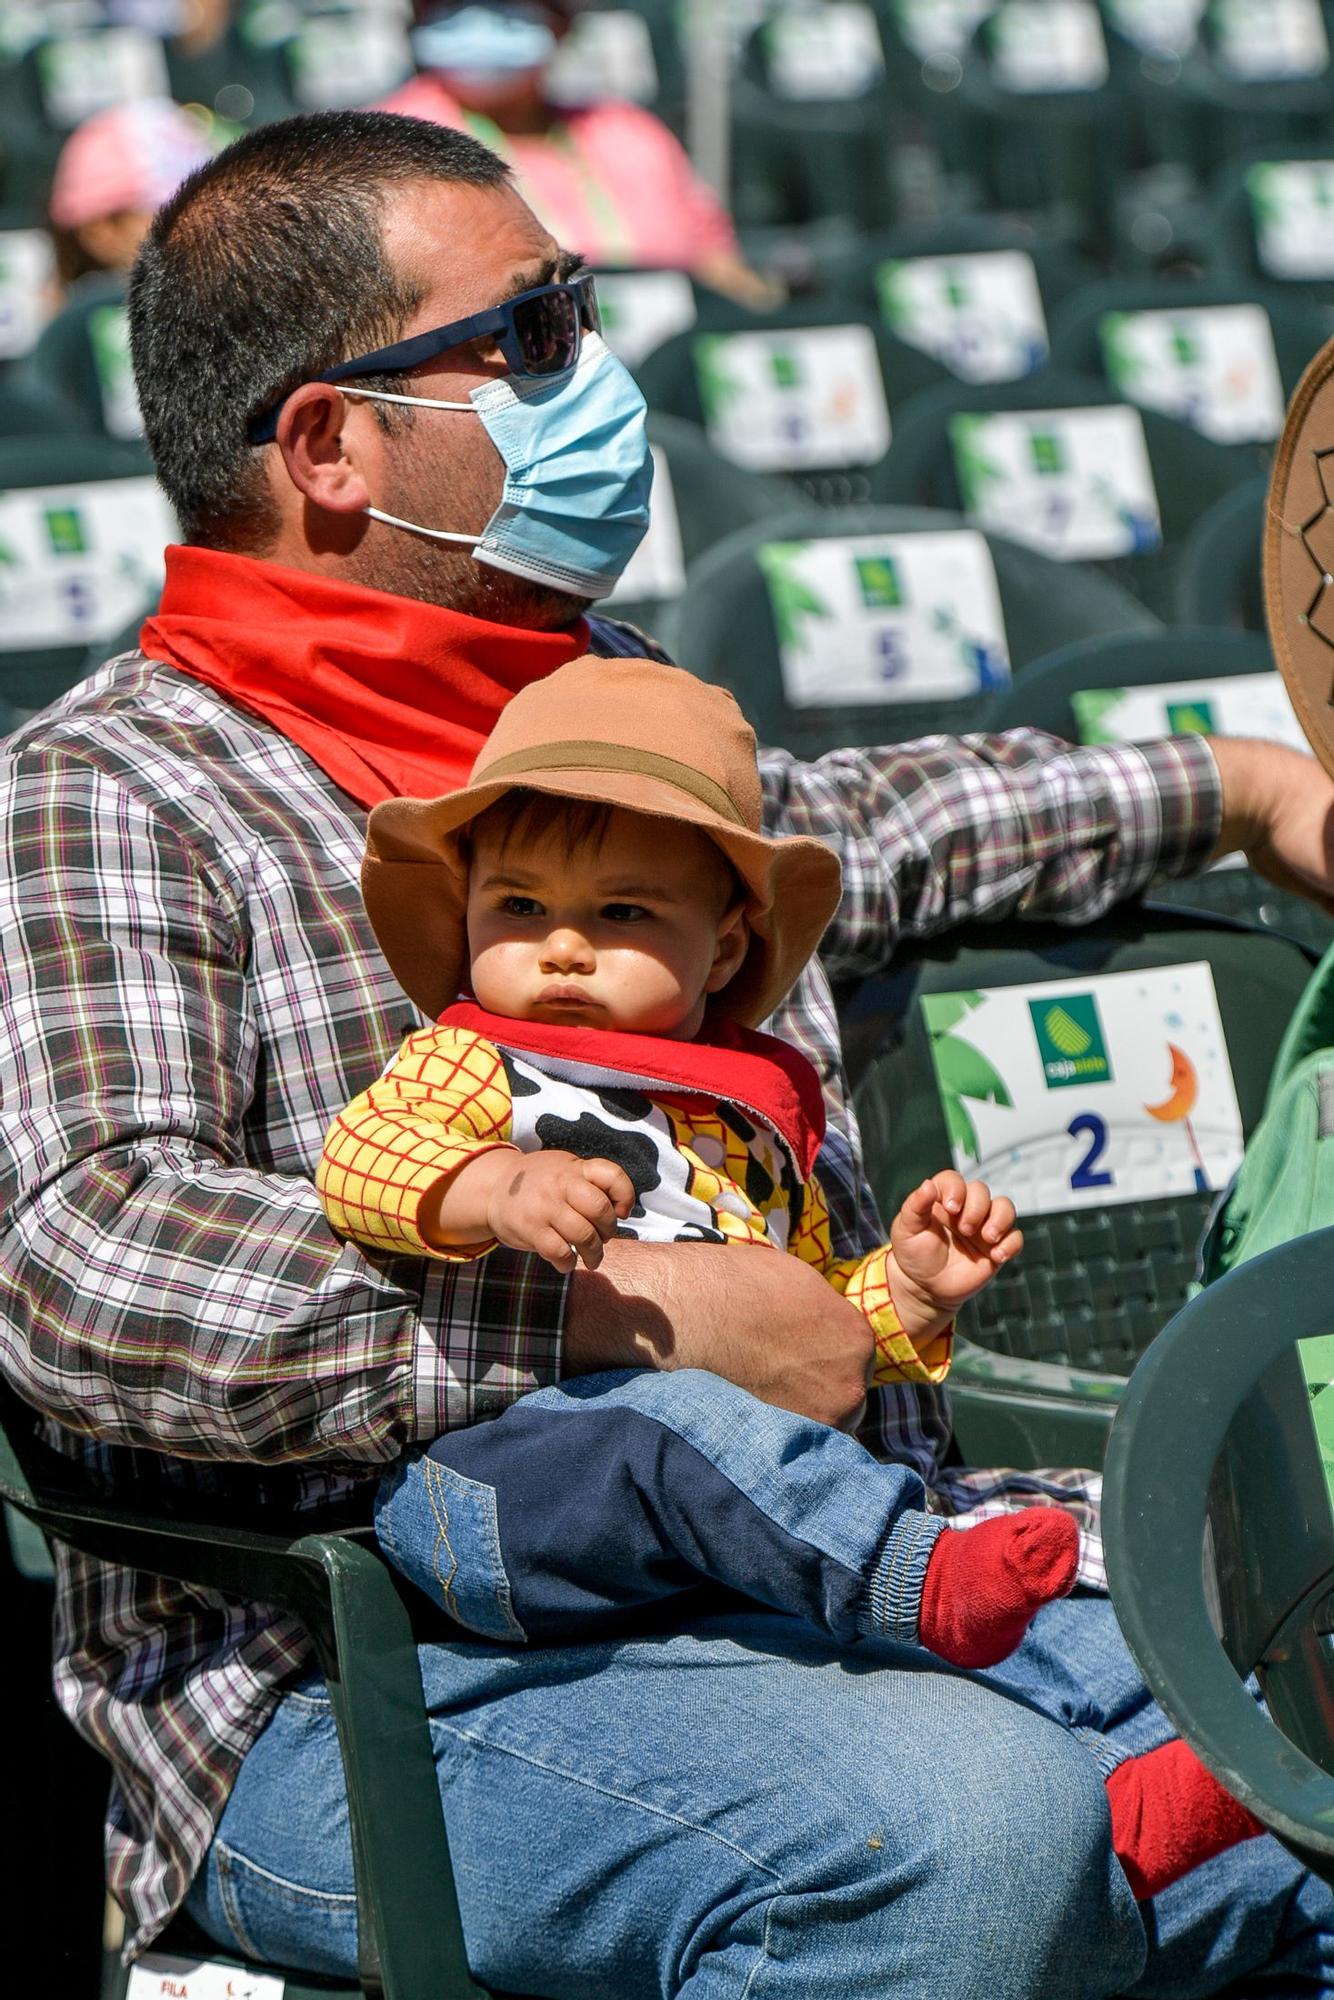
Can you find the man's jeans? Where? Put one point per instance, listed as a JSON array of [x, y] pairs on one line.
[[743, 1805]]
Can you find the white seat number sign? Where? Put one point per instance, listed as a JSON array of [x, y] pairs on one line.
[[980, 314], [1237, 705], [27, 268], [1270, 41], [347, 60], [641, 309], [1049, 45], [161, 1976], [77, 562], [1292, 202], [826, 52], [81, 74], [109, 335], [1213, 367], [792, 400], [604, 55], [657, 568], [878, 619], [940, 30], [1077, 1093], [1158, 27], [1074, 483]]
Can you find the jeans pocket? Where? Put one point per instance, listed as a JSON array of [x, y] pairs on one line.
[[442, 1531], [279, 1922]]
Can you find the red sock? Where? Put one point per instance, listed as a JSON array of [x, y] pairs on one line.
[[983, 1584], [1168, 1815]]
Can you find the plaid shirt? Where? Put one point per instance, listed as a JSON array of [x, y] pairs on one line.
[[191, 993]]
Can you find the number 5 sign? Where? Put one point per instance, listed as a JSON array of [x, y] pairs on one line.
[[1079, 1092]]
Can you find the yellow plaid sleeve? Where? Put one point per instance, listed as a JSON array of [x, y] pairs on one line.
[[864, 1282], [443, 1100]]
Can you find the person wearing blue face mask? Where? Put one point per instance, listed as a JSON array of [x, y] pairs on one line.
[[605, 175], [180, 842]]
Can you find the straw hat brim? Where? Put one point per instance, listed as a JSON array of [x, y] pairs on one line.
[[414, 883], [1299, 554]]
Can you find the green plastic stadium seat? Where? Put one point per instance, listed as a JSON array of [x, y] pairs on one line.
[[411, 1942], [805, 391], [1054, 691], [1268, 224], [1178, 375], [29, 409], [82, 357], [748, 601], [1220, 1535], [1218, 577], [698, 500], [85, 524], [1057, 483], [1043, 1354]]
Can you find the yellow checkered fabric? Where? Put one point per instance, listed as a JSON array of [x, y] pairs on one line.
[[443, 1100], [864, 1282]]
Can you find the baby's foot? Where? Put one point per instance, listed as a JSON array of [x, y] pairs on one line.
[[1168, 1815], [984, 1584]]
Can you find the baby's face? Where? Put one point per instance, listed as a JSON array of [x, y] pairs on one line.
[[633, 934]]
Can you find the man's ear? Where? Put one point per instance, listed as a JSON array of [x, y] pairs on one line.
[[315, 451], [730, 951]]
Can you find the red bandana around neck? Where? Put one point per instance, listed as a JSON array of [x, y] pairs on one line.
[[755, 1071], [392, 698]]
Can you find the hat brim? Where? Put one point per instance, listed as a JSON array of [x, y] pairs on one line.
[[415, 884], [1299, 554]]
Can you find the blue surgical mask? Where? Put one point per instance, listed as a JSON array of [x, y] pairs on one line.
[[578, 472], [484, 46]]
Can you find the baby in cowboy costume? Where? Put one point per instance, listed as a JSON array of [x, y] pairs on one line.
[[604, 901]]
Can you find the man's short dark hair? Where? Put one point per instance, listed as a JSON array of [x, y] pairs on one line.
[[265, 268]]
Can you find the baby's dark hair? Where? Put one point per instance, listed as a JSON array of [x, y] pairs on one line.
[[579, 824]]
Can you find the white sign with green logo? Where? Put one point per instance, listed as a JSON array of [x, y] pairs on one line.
[[828, 52], [940, 29], [604, 55], [641, 309], [1048, 45], [1292, 202], [785, 402], [980, 314], [81, 74], [878, 619], [27, 272], [1270, 41], [1158, 27], [1214, 367], [1238, 705], [1077, 1093], [1074, 483], [109, 337], [77, 562], [657, 569], [347, 60]]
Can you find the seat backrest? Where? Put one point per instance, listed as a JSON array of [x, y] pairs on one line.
[[1135, 678], [1220, 1537], [869, 625], [803, 393], [83, 357], [1059, 461], [1218, 354], [84, 525], [1271, 222], [27, 281], [1105, 1078], [1218, 578]]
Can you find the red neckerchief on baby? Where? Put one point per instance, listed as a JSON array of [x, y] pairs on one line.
[[757, 1072], [391, 698]]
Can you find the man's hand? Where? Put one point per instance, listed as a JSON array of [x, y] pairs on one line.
[[1278, 810], [767, 1322], [949, 1239]]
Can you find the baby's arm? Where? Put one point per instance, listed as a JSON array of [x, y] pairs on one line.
[[941, 1252]]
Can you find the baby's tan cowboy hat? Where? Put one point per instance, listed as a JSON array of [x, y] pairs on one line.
[[1299, 554], [628, 733]]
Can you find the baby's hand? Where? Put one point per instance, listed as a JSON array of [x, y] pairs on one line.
[[949, 1239], [562, 1207]]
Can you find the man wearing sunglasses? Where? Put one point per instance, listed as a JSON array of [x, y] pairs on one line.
[[405, 467]]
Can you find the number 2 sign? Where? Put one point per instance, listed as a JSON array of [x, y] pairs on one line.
[[1076, 1093]]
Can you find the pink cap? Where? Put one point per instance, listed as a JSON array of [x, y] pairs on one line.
[[132, 156]]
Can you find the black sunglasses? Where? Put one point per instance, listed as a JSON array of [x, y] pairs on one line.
[[538, 332]]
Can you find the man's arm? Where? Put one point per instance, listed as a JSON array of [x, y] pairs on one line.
[[156, 1288], [1278, 810]]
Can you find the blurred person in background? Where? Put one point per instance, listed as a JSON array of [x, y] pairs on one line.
[[114, 173], [607, 177]]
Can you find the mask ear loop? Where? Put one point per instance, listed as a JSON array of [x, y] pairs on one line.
[[417, 403]]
